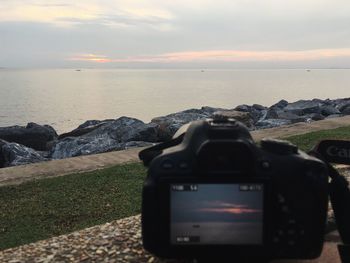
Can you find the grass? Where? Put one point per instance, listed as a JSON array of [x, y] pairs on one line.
[[49, 207], [306, 141]]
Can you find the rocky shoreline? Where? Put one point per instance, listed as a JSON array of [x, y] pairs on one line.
[[36, 143]]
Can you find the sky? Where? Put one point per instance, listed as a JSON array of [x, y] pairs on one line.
[[216, 203], [175, 34]]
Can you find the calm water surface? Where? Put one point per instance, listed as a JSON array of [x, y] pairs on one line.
[[64, 98]]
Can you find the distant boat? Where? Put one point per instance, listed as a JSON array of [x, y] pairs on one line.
[[202, 70], [78, 70], [308, 70]]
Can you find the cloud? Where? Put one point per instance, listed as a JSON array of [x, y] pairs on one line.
[[232, 56], [229, 208], [86, 12], [91, 58]]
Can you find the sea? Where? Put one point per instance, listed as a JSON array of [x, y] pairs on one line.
[[65, 98]]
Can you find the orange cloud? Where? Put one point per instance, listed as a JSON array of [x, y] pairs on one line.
[[224, 56], [91, 58], [230, 210]]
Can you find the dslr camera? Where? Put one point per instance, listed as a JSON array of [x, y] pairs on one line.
[[212, 192]]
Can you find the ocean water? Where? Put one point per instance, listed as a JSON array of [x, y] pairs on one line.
[[64, 98]]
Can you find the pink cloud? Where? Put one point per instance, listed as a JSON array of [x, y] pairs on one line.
[[230, 210], [223, 56]]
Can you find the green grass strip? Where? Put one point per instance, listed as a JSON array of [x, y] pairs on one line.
[[49, 207], [306, 141]]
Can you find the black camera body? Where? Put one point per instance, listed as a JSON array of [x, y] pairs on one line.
[[214, 193]]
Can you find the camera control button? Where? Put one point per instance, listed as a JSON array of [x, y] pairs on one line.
[[285, 209], [183, 165], [276, 240], [167, 165], [281, 199], [291, 242], [291, 232], [265, 165], [280, 232]]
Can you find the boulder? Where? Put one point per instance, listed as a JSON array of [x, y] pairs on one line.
[[243, 117], [33, 135], [290, 116], [303, 107], [345, 109], [270, 123], [126, 129], [169, 124], [84, 128], [314, 117], [110, 136], [279, 105], [13, 154], [329, 110], [256, 112], [72, 146]]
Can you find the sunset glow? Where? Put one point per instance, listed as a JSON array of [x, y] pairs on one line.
[[91, 58], [224, 56], [235, 211]]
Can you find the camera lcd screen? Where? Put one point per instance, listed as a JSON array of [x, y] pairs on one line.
[[216, 214]]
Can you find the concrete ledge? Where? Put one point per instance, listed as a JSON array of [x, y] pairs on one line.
[[20, 174], [54, 168]]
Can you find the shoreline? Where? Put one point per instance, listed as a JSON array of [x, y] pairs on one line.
[[36, 143]]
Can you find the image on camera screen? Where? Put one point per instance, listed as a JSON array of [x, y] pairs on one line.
[[218, 214]]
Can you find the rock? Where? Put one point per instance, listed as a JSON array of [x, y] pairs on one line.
[[303, 107], [243, 117], [345, 109], [290, 116], [110, 136], [270, 123], [243, 107], [259, 107], [84, 128], [315, 117], [276, 113], [33, 135], [126, 129], [71, 146], [279, 105], [272, 113], [255, 112], [169, 124], [340, 104], [329, 110], [13, 154]]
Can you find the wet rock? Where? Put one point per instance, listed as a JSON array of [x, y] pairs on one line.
[[303, 107], [110, 136], [345, 109], [256, 112], [169, 124], [271, 123], [329, 110], [13, 154], [243, 117], [84, 128], [126, 129], [33, 135], [279, 105], [315, 117]]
